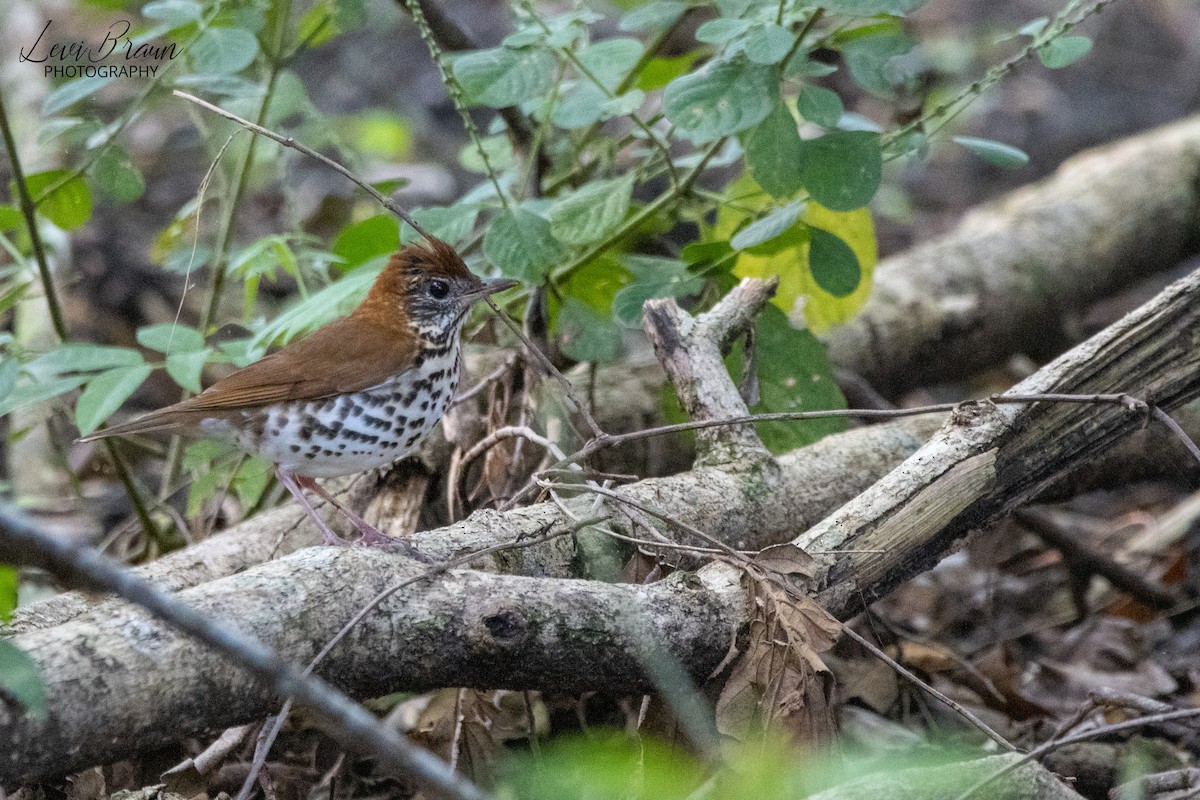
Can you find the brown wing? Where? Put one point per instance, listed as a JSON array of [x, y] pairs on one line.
[[346, 355]]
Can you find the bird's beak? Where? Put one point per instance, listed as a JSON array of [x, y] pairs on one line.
[[490, 286]]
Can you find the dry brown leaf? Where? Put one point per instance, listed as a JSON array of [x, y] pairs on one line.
[[489, 719], [786, 559], [867, 680], [781, 683]]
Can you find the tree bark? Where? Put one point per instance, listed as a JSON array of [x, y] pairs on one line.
[[1009, 277]]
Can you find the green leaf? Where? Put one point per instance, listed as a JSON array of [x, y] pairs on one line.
[[185, 368], [105, 393], [794, 374], [585, 335], [359, 242], [19, 679], [116, 175], [623, 104], [804, 67], [834, 265], [653, 277], [997, 153], [252, 478], [10, 370], [721, 98], [722, 30], [84, 357], [819, 105], [582, 105], [504, 76], [8, 591], [653, 17], [775, 153], [768, 44], [327, 18], [869, 8], [522, 245], [788, 255], [1034, 27], [69, 206], [174, 13], [767, 228], [223, 50], [588, 214], [10, 218], [658, 72], [450, 224], [870, 59], [1064, 51], [609, 61], [842, 169], [34, 392], [72, 92], [170, 337]]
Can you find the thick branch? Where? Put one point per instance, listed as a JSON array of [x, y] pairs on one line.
[[989, 459], [125, 682], [1009, 277], [691, 350]]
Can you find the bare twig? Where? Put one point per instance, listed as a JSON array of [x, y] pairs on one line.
[[22, 542], [539, 356], [288, 141], [1175, 428], [1094, 733], [909, 676]]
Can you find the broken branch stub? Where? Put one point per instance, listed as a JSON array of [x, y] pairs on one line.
[[691, 351]]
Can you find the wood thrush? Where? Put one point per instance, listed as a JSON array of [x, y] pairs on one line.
[[357, 394]]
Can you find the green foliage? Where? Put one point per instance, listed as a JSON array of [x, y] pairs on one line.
[[605, 766], [19, 680], [592, 212], [721, 98], [998, 153], [105, 393], [522, 244], [1064, 51], [505, 76], [8, 591], [794, 374], [842, 169], [63, 199], [659, 174]]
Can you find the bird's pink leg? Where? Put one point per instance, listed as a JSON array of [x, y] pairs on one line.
[[371, 536], [294, 486]]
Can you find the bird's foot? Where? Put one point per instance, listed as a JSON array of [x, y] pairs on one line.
[[372, 537], [331, 539]]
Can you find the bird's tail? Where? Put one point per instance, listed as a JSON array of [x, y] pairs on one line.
[[165, 419]]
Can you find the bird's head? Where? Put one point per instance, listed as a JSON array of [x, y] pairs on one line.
[[428, 289]]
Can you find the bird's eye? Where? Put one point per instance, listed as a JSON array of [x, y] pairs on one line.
[[438, 289]]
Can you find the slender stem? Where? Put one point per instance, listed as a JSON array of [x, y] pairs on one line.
[[943, 114], [288, 141], [27, 210], [454, 89], [39, 253]]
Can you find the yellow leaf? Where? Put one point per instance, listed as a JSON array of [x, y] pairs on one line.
[[786, 255]]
